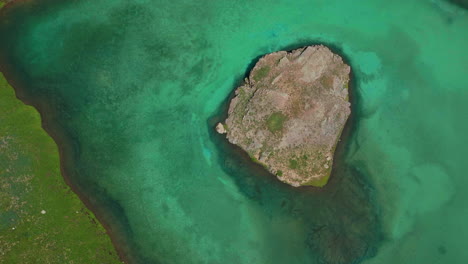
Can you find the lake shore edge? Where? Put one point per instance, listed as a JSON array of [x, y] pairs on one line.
[[64, 150]]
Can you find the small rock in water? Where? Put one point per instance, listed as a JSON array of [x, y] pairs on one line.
[[220, 129]]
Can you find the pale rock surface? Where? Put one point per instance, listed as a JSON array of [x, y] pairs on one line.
[[289, 113]]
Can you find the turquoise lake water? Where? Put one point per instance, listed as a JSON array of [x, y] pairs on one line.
[[131, 91]]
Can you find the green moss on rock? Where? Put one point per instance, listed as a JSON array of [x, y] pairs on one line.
[[261, 73], [276, 121], [293, 164]]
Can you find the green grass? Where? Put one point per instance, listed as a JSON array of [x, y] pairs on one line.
[[322, 181], [261, 73], [275, 122], [318, 182], [30, 181], [293, 164], [279, 173]]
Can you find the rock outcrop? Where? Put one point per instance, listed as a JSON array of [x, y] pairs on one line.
[[289, 114]]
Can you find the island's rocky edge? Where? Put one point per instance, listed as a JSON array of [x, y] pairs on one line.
[[289, 114]]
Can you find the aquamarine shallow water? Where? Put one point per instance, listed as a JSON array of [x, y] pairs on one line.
[[132, 88]]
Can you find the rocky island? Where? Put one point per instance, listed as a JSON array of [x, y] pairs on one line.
[[289, 113]]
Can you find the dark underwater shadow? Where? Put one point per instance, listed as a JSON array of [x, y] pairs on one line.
[[460, 3], [343, 218]]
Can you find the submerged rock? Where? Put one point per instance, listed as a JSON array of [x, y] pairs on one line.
[[289, 114]]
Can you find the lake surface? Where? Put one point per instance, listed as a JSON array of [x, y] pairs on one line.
[[131, 90]]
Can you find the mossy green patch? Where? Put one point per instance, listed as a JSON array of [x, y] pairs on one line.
[[261, 73], [41, 219], [293, 164], [320, 182], [276, 121]]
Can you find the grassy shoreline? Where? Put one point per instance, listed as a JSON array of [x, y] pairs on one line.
[[41, 219]]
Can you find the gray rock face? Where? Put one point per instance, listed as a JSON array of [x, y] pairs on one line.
[[290, 112]]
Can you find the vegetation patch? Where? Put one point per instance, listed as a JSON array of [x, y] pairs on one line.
[[254, 159], [275, 122], [319, 182], [293, 164], [261, 73], [41, 218]]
